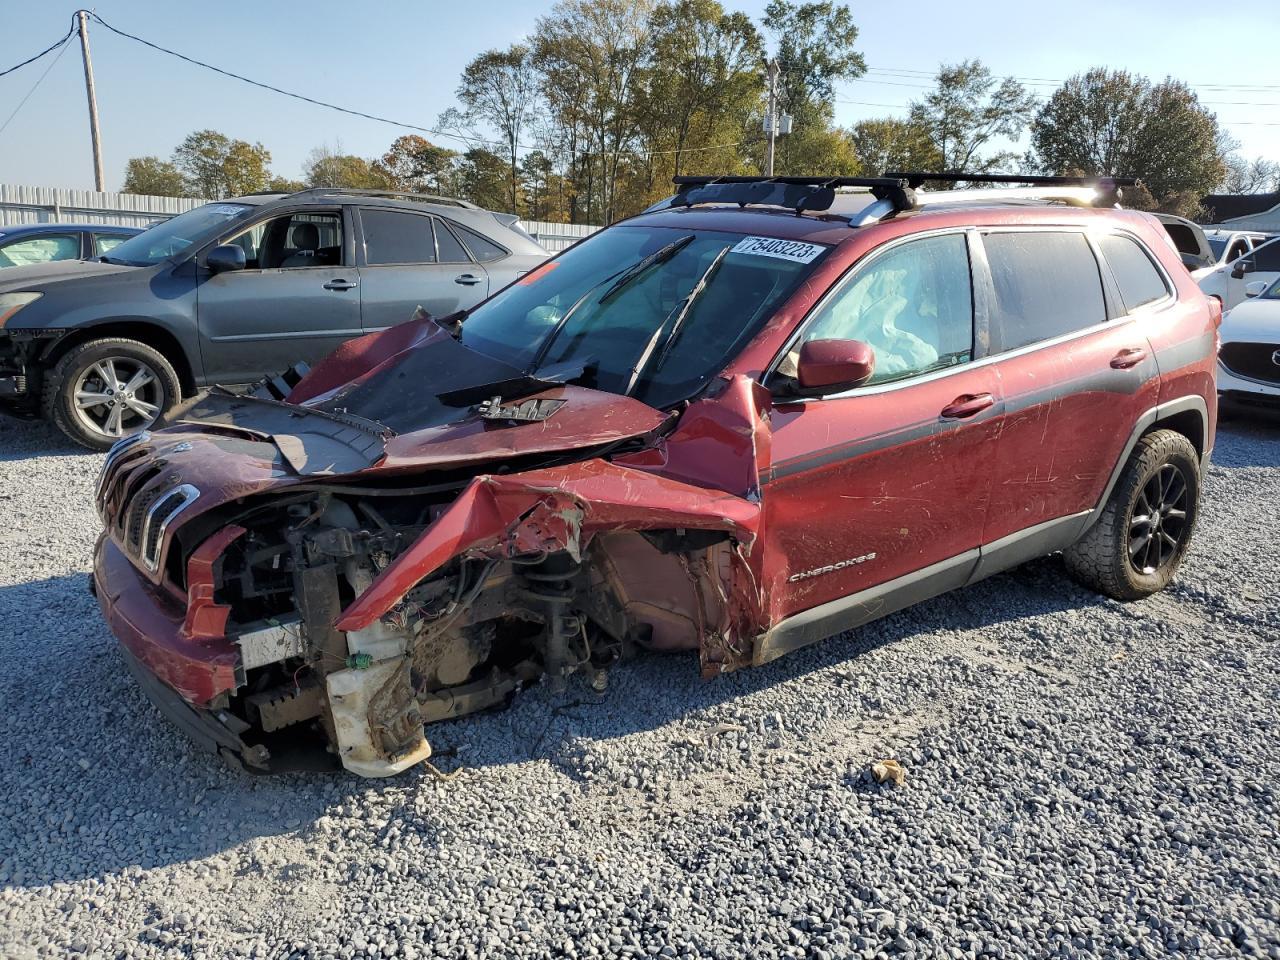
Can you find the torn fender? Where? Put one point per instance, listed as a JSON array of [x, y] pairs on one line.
[[558, 508]]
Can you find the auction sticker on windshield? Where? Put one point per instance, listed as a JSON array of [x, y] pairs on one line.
[[792, 250]]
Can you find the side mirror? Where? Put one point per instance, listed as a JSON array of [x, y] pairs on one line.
[[1255, 288], [1242, 267], [829, 366], [225, 257]]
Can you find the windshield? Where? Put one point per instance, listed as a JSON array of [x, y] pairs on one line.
[[653, 312], [173, 236], [1272, 292], [1218, 245]]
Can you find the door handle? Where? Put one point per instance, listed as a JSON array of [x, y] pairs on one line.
[[341, 284], [1129, 357], [467, 279], [966, 405]]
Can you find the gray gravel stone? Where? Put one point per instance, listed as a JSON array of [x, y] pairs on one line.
[[1084, 778]]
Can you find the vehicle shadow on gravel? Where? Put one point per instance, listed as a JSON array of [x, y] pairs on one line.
[[32, 439], [144, 797], [1248, 441]]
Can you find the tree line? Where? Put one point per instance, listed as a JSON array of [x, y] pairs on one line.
[[588, 120]]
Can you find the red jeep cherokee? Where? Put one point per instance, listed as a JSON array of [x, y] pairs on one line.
[[761, 413]]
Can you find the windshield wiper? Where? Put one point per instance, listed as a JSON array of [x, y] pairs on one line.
[[658, 256], [677, 319], [623, 278]]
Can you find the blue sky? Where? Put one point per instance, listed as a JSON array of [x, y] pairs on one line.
[[402, 59]]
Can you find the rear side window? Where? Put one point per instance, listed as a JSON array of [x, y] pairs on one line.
[[1046, 285], [482, 248], [392, 237], [1137, 277], [1267, 256], [450, 249], [40, 249]]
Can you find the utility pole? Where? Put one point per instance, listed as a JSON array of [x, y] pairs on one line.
[[771, 120], [95, 136]]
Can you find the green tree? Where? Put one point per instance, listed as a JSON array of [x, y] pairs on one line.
[[284, 185], [214, 165], [704, 77], [327, 167], [499, 88], [151, 176], [891, 144], [968, 111], [815, 49], [1113, 122], [482, 178]]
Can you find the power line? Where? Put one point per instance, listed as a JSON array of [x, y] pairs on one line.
[[930, 74], [49, 49], [66, 42]]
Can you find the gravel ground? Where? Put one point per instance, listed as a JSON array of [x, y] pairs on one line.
[[1084, 778]]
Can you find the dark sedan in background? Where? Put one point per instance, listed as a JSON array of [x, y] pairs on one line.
[[235, 290]]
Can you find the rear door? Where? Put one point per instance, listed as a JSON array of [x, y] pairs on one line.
[[1076, 371], [889, 480], [412, 259], [296, 300]]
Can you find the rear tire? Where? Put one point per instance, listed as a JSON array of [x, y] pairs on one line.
[[1135, 547], [106, 389]]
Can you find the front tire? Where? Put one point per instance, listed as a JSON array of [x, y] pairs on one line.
[[106, 389], [1136, 546]]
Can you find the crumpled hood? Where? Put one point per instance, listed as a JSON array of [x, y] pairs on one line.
[[40, 276], [413, 398]]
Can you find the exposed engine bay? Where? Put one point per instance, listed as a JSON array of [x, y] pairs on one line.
[[462, 640]]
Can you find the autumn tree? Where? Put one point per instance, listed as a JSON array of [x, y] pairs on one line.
[[499, 88], [1114, 122], [414, 163], [482, 178], [154, 177], [214, 165], [328, 167], [969, 112]]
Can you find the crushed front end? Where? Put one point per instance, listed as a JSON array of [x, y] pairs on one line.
[[299, 621]]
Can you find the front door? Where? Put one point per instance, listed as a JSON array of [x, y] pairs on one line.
[[887, 483], [296, 300], [413, 260], [1263, 263]]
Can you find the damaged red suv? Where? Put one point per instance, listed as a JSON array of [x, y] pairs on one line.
[[763, 412]]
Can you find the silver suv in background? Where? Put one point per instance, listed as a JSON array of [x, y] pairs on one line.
[[235, 290]]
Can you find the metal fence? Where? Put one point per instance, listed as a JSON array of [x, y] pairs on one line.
[[53, 205]]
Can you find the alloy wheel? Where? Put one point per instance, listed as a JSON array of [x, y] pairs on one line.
[[116, 396], [1158, 521]]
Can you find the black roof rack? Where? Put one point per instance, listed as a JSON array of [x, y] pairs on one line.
[[1108, 187], [793, 193]]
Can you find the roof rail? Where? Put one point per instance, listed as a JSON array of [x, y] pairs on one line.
[[800, 194], [1107, 189], [392, 194]]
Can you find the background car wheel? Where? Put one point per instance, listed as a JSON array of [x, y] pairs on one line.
[[1136, 546], [107, 389]]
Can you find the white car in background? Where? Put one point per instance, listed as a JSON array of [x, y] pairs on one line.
[[1249, 358], [1228, 245], [1227, 281]]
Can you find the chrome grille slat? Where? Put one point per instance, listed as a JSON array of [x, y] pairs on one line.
[[158, 519]]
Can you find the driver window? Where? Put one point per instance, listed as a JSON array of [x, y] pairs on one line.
[[913, 306], [293, 241], [1238, 249]]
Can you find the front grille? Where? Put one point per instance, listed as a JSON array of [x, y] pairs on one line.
[[135, 504], [1254, 361]]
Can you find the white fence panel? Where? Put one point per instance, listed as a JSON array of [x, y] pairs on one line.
[[53, 205], [20, 204]]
